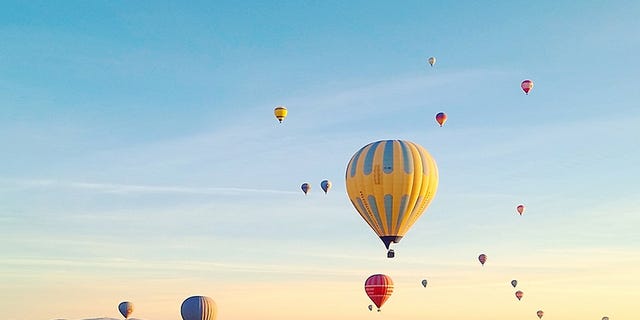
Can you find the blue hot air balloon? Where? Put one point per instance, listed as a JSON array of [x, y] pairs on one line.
[[126, 308], [199, 308], [325, 185]]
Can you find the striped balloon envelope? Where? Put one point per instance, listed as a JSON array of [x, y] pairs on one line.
[[379, 288], [199, 308], [391, 183]]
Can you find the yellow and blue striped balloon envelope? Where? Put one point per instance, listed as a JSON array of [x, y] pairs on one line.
[[391, 183]]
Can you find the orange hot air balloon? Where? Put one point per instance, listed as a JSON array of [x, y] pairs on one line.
[[519, 295], [379, 288], [520, 209], [482, 258], [526, 86], [441, 118], [540, 313]]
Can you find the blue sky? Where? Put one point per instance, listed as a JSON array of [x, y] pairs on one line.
[[141, 160]]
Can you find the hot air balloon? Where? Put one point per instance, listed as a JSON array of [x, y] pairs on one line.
[[325, 185], [391, 183], [199, 308], [540, 313], [125, 308], [605, 318], [432, 61], [424, 283], [441, 118], [520, 209], [514, 283], [370, 307], [305, 187], [379, 288], [526, 86], [280, 112], [519, 294], [482, 258]]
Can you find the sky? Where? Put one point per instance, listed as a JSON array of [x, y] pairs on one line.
[[141, 161]]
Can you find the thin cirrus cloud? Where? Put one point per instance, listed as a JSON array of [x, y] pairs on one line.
[[136, 189]]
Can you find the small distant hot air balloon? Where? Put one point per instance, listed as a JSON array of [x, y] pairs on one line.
[[305, 187], [370, 307], [325, 185], [540, 313], [519, 294], [514, 283], [605, 318], [199, 308], [379, 288], [526, 86], [280, 112], [126, 308], [432, 61], [520, 209], [441, 118], [424, 283], [482, 258]]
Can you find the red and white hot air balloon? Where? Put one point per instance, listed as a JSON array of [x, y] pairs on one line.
[[519, 294], [526, 86], [379, 288], [520, 209]]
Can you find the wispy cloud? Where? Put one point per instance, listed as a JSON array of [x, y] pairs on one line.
[[135, 189]]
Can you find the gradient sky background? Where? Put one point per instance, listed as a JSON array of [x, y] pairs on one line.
[[140, 159]]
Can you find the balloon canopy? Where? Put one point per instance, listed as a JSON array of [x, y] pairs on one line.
[[325, 185], [379, 288], [199, 308], [391, 183], [441, 118], [280, 112], [526, 86], [125, 308], [305, 187], [482, 258]]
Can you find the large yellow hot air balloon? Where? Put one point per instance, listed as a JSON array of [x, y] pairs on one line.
[[391, 183]]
